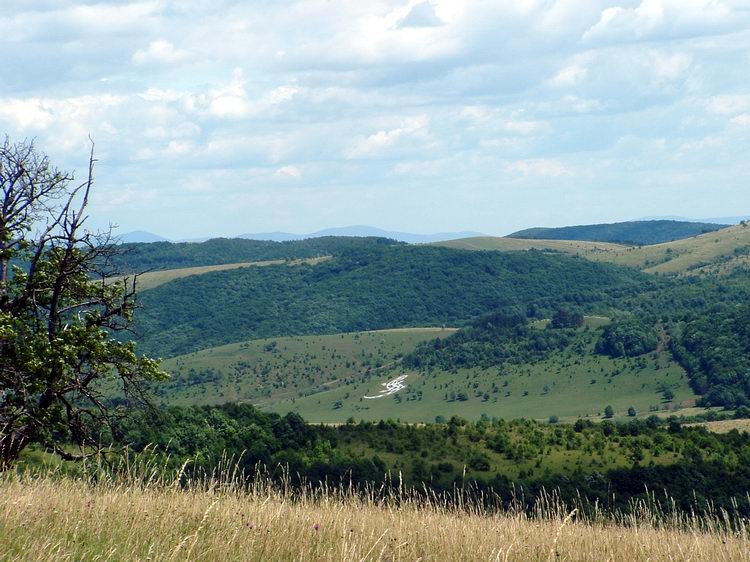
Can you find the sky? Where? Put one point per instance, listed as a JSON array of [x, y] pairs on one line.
[[221, 117]]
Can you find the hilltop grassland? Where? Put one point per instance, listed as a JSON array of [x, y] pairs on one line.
[[518, 244], [46, 519], [721, 251], [153, 279]]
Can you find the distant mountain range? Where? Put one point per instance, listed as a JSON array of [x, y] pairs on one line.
[[140, 236], [633, 232], [359, 231]]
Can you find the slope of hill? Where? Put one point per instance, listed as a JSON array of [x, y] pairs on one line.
[[374, 288], [152, 279], [263, 371], [635, 232], [140, 236], [566, 382], [220, 251], [517, 244], [721, 251]]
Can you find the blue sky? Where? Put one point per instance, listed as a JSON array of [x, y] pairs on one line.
[[220, 117]]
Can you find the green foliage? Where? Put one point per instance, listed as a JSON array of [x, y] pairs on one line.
[[378, 287], [627, 338], [634, 232], [57, 314], [566, 319], [715, 349], [593, 460], [138, 257]]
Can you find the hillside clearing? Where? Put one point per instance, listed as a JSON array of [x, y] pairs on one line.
[[152, 279], [518, 244], [45, 520], [267, 370], [723, 249], [725, 426]]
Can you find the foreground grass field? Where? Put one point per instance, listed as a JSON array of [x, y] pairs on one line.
[[46, 519]]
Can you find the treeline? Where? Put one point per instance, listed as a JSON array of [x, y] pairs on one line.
[[138, 257], [377, 287], [604, 462]]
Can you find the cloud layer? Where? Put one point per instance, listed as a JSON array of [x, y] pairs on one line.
[[214, 118]]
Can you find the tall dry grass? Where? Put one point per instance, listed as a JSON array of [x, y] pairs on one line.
[[137, 514]]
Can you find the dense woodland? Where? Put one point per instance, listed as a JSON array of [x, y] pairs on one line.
[[364, 289], [634, 232], [140, 257]]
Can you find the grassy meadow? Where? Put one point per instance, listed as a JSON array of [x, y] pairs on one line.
[[715, 252], [567, 384], [50, 519], [268, 370]]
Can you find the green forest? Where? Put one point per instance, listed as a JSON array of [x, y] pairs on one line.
[[633, 232]]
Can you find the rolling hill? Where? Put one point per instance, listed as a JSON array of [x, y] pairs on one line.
[[153, 279], [633, 233], [506, 244], [269, 370], [335, 377], [719, 252], [383, 286], [223, 251]]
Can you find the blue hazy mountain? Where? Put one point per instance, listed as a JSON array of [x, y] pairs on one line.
[[361, 230]]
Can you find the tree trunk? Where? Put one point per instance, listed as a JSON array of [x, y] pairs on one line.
[[11, 445]]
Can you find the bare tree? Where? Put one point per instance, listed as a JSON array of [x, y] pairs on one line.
[[60, 358]]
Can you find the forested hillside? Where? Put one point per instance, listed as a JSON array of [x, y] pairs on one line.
[[218, 251], [381, 286], [634, 232]]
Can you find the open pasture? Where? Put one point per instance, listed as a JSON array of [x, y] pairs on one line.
[[261, 371]]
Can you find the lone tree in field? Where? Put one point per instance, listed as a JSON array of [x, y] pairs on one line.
[[59, 311]]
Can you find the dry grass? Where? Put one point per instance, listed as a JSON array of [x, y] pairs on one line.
[[48, 518], [153, 279], [725, 426], [522, 244]]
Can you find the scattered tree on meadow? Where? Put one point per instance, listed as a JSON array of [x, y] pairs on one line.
[[609, 412], [59, 309]]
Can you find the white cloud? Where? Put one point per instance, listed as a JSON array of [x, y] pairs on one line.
[[288, 172], [569, 76], [728, 104], [659, 19], [742, 120], [546, 167], [160, 51], [378, 142], [421, 15]]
